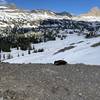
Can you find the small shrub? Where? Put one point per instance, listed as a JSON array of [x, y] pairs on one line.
[[35, 51], [17, 48], [40, 50], [9, 56], [64, 36], [29, 51], [87, 36], [33, 47], [18, 55], [22, 54], [4, 56], [61, 38]]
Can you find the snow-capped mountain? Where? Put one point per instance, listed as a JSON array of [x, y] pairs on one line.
[[11, 15], [95, 11], [92, 15]]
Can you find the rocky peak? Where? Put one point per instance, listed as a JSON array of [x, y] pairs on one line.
[[95, 11]]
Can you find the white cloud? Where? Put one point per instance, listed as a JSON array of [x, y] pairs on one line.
[[3, 2]]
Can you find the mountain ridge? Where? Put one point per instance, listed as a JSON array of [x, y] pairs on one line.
[[9, 13], [95, 11]]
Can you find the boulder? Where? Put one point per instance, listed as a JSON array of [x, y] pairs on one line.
[[60, 62]]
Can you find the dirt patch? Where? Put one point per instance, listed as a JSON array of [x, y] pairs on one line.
[[49, 82]]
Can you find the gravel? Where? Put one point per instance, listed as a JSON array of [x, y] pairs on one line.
[[49, 82]]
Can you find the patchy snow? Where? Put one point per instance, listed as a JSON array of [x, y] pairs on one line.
[[87, 18], [82, 53], [3, 7]]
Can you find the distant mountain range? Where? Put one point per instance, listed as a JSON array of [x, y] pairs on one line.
[[10, 15]]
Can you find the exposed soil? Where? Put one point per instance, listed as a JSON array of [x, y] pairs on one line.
[[49, 82]]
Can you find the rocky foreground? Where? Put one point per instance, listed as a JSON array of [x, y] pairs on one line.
[[49, 82]]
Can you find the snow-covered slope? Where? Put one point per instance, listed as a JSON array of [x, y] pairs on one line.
[[87, 18], [81, 53], [45, 21]]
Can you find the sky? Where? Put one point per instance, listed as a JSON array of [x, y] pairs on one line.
[[72, 6]]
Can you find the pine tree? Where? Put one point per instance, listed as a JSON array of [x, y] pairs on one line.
[[0, 57], [4, 57], [29, 51], [22, 54]]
